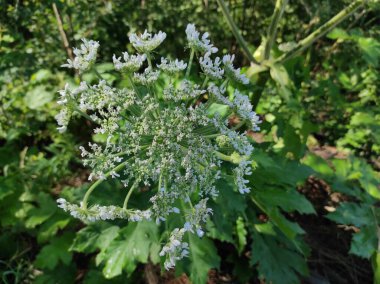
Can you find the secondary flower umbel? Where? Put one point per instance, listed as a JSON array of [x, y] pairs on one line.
[[163, 137]]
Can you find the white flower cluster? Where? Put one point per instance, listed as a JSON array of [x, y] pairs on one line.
[[67, 101], [147, 42], [231, 72], [196, 43], [84, 57], [175, 249], [148, 77], [95, 213], [171, 67], [211, 69], [243, 169], [244, 109], [132, 63], [163, 137]]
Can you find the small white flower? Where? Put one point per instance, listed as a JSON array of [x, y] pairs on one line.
[[244, 168], [132, 63], [149, 77], [200, 232], [218, 94], [171, 67], [202, 44], [210, 68], [231, 72], [84, 57], [244, 109], [63, 119], [147, 42]]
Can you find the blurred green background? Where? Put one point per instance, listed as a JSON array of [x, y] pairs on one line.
[[320, 137]]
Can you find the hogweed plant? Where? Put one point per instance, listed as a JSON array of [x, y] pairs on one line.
[[168, 141]]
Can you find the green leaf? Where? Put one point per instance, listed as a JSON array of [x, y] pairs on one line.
[[318, 164], [280, 75], [371, 50], [87, 239], [203, 256], [55, 253], [276, 263], [50, 228], [38, 97], [226, 208], [47, 207], [60, 275], [41, 75], [364, 243], [241, 233], [289, 200], [349, 213], [135, 244], [338, 33]]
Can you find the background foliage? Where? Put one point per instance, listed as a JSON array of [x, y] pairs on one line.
[[313, 209]]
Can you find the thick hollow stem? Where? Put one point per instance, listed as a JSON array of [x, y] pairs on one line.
[[236, 31], [190, 62], [272, 31], [322, 30], [99, 181]]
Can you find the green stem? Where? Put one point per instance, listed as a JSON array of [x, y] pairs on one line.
[[134, 185], [190, 62], [149, 60], [212, 135], [236, 31], [322, 30], [133, 85], [99, 181], [224, 84], [82, 113], [223, 156], [98, 74], [240, 124], [205, 82], [272, 31]]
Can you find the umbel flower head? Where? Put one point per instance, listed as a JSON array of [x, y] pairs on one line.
[[166, 139]]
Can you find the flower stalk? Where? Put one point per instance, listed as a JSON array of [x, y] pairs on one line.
[[272, 31], [236, 32], [322, 30]]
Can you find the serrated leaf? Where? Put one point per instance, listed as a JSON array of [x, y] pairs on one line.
[[350, 213], [135, 244], [49, 228], [46, 208], [203, 257], [226, 208], [94, 236], [55, 253], [288, 200], [275, 262], [364, 243]]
